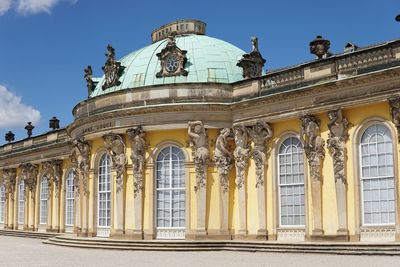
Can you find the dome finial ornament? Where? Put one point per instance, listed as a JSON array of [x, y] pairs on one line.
[[172, 59], [252, 63], [112, 69]]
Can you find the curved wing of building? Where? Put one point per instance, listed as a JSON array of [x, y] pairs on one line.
[[189, 138]]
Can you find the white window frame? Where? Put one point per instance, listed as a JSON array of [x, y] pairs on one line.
[[21, 202], [170, 231], [376, 178], [69, 198], [44, 196], [104, 185], [2, 203], [280, 185]]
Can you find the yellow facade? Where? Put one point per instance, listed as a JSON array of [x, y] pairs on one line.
[[163, 113]]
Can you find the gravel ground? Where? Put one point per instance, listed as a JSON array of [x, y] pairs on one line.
[[16, 251]]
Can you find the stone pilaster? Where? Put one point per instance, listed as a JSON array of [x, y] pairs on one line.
[[80, 159], [117, 222], [138, 150], [338, 135], [394, 104], [10, 180], [29, 211], [29, 172], [85, 214], [261, 133], [241, 155], [313, 144], [223, 159], [77, 213], [116, 147], [148, 233], [199, 144], [49, 224]]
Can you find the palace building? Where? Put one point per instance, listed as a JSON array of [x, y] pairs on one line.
[[189, 138]]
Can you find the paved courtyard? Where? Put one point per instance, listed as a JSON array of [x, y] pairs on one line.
[[15, 251]]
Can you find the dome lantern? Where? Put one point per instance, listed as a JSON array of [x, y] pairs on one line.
[[179, 27]]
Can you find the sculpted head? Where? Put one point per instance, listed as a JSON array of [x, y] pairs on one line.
[[332, 114], [198, 129], [259, 126], [225, 132]]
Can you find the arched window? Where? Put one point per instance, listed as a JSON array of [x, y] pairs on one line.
[[291, 183], [104, 196], [44, 194], [69, 199], [2, 202], [21, 201], [170, 193], [377, 176]]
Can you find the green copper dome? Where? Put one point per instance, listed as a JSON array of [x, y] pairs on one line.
[[208, 60]]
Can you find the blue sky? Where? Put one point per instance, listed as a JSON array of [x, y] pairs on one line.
[[45, 44]]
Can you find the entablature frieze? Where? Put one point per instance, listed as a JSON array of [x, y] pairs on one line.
[[151, 118], [13, 160], [371, 88], [154, 95]]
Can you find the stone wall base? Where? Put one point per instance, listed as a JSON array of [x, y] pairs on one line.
[[215, 234], [133, 234], [196, 235], [329, 238]]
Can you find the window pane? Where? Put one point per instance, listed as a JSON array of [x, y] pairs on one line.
[[69, 197], [291, 183], [104, 192], [377, 175], [170, 188]]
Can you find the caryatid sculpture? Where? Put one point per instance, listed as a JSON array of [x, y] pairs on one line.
[[394, 103], [138, 144], [313, 144], [260, 133], [223, 158], [80, 158], [338, 135], [117, 149], [241, 152], [201, 154], [53, 170], [29, 173], [10, 176]]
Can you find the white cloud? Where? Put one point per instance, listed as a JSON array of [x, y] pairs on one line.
[[35, 6], [27, 7], [5, 5], [14, 113]]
